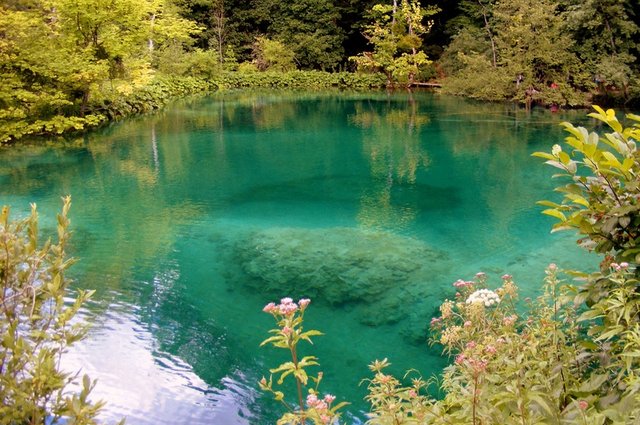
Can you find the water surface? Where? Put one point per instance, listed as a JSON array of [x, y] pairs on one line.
[[188, 221]]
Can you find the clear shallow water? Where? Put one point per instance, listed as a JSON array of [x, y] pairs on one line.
[[188, 221]]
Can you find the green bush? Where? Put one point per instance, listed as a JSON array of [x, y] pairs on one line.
[[37, 326]]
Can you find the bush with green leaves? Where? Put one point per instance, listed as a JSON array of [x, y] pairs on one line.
[[601, 198], [37, 327]]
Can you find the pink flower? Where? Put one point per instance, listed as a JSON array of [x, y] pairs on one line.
[[312, 400], [509, 320], [287, 309], [467, 324], [624, 265], [583, 405], [459, 283], [412, 393], [460, 358], [286, 330], [480, 275], [506, 277], [329, 398], [269, 308], [553, 267], [325, 418], [471, 345], [321, 405], [304, 302], [286, 301], [490, 349], [435, 320]]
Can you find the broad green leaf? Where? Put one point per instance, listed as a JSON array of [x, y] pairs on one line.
[[555, 213]]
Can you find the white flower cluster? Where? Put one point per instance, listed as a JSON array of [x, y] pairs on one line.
[[485, 296]]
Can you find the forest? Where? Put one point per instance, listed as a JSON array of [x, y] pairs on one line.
[[68, 65]]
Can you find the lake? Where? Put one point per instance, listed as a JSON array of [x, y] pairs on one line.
[[188, 221]]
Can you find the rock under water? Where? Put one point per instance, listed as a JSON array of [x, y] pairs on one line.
[[382, 271]]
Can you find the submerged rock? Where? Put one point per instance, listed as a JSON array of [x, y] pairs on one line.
[[383, 271]]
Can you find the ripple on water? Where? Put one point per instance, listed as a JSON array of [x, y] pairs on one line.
[[150, 387]]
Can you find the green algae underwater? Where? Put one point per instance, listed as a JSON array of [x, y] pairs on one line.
[[188, 221]]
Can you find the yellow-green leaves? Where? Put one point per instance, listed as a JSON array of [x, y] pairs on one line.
[[600, 198], [37, 326]]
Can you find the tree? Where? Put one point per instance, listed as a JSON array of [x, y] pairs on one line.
[[606, 40], [395, 35], [273, 55]]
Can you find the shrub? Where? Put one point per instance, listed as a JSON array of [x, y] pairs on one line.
[[37, 325]]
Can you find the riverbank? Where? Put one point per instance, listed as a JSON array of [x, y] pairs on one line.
[[115, 102]]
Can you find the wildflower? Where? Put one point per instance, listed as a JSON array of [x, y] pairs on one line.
[[312, 400], [509, 288], [413, 393], [615, 266], [552, 267], [555, 150], [435, 321], [450, 335], [462, 284], [471, 345], [624, 265], [478, 365], [467, 324], [509, 320], [325, 418], [460, 358], [446, 309], [490, 349], [328, 398], [583, 405], [286, 330], [507, 277], [269, 308], [303, 303], [480, 275], [287, 307], [484, 296]]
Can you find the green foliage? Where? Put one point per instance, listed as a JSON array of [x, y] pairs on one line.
[[395, 35], [517, 50], [37, 325], [272, 55], [601, 198], [58, 57], [248, 76], [287, 335]]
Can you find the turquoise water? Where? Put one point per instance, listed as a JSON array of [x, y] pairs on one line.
[[188, 221]]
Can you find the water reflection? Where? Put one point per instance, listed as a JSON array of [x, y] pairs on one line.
[[136, 377], [393, 144]]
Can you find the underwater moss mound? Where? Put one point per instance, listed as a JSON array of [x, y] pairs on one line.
[[341, 265]]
